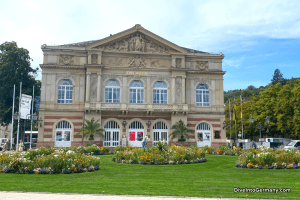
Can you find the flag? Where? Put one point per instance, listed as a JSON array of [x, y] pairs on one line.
[[25, 106], [234, 110], [241, 107]]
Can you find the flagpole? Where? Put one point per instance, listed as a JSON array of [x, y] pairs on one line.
[[242, 117], [230, 122], [12, 118], [31, 117], [19, 116], [236, 140]]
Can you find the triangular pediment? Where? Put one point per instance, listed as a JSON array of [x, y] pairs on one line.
[[136, 40]]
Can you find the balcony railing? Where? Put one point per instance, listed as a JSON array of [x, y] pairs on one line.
[[128, 106]]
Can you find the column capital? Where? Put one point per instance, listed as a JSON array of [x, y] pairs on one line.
[[88, 73]]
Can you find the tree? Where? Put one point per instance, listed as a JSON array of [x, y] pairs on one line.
[[180, 130], [14, 68], [90, 129], [277, 77]]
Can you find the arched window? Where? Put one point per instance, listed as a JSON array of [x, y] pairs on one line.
[[202, 95], [65, 91], [136, 92], [112, 91], [160, 93], [160, 132], [63, 133], [111, 134]]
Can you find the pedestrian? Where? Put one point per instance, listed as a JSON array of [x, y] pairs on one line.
[[5, 146]]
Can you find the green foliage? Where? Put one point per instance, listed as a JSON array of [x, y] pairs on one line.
[[90, 129], [181, 130], [277, 77], [280, 102], [14, 68]]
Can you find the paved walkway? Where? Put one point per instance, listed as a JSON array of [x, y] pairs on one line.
[[59, 196]]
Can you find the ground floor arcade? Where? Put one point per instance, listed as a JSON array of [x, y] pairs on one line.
[[129, 129]]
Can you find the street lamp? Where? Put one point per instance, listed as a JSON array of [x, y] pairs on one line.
[[149, 123], [124, 123], [259, 125]]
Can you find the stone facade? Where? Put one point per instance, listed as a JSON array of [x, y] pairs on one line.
[[137, 55]]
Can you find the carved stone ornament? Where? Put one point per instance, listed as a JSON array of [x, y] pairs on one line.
[[137, 61], [66, 59], [160, 78], [178, 62], [137, 78], [202, 80], [201, 65], [93, 93], [115, 62], [136, 43], [156, 64], [94, 58], [178, 87], [65, 76], [107, 77]]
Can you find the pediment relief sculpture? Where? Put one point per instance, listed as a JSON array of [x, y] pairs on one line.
[[201, 65], [66, 59], [136, 43]]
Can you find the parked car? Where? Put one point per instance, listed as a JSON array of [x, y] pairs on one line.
[[294, 144], [2, 142]]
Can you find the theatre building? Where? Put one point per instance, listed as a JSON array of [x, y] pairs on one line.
[[136, 84]]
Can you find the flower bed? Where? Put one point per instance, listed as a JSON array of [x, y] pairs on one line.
[[269, 159], [48, 161], [156, 156]]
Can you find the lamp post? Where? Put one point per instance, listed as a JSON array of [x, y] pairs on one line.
[[229, 126], [33, 118], [259, 125]]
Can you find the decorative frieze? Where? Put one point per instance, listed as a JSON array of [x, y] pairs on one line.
[[66, 59]]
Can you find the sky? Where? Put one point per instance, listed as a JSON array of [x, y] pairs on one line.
[[256, 37]]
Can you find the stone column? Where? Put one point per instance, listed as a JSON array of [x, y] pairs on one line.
[[193, 93], [174, 62], [173, 90], [183, 90], [183, 62], [99, 58], [89, 58], [88, 85], [99, 87]]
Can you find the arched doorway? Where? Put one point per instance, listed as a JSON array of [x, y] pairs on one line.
[[111, 134], [136, 134], [203, 135], [63, 134], [160, 132]]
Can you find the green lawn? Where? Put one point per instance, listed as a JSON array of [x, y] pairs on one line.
[[216, 178]]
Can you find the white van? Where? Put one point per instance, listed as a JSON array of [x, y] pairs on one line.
[[294, 144]]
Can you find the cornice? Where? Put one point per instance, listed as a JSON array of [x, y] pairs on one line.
[[206, 72], [62, 66], [94, 66]]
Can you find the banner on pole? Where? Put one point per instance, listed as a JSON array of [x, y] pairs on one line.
[[25, 106]]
